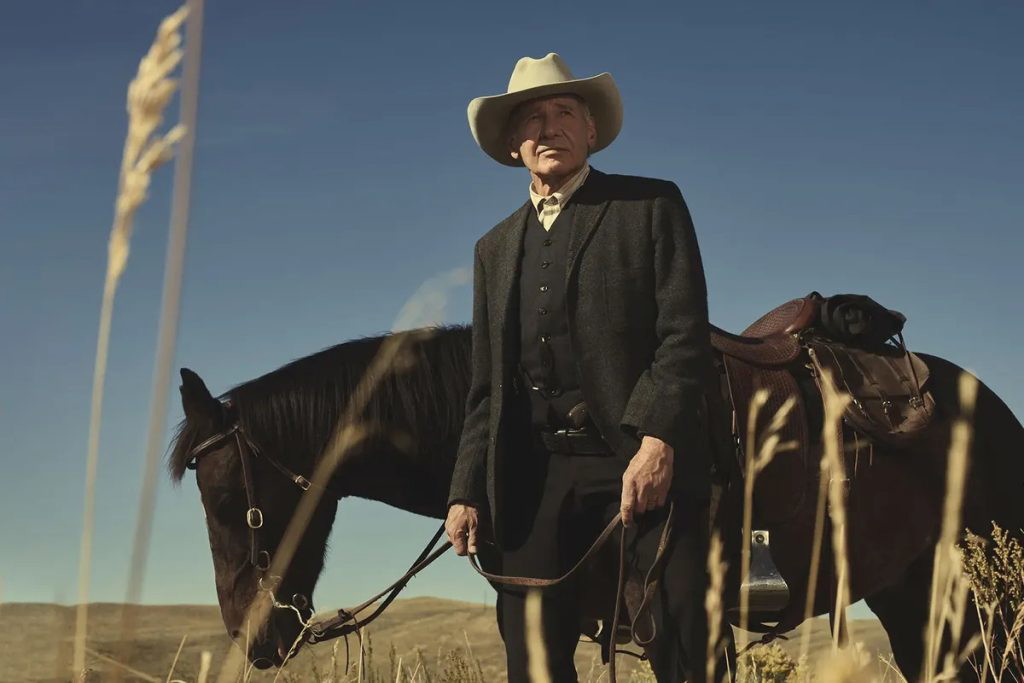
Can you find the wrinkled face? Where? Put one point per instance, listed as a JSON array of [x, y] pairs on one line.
[[552, 135], [241, 586]]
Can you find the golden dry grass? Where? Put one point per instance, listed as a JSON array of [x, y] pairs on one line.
[[834, 469], [714, 605], [760, 450], [423, 632], [145, 150], [536, 652], [950, 588], [994, 567]]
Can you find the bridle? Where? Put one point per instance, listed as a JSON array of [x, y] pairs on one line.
[[344, 622], [259, 556]]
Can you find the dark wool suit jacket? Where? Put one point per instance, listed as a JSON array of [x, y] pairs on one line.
[[638, 319]]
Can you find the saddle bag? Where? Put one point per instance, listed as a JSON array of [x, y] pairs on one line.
[[887, 386]]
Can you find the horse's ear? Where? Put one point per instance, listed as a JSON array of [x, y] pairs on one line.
[[196, 399]]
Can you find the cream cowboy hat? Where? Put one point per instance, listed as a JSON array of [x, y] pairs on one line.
[[532, 78]]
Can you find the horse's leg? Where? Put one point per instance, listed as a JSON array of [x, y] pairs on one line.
[[903, 610]]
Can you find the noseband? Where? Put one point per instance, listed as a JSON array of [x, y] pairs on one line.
[[248, 452]]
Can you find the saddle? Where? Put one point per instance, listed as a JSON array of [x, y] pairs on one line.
[[790, 351], [771, 340], [801, 339]]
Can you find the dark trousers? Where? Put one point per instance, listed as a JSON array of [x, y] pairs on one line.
[[561, 503]]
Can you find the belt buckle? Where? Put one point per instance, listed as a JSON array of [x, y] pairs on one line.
[[567, 434]]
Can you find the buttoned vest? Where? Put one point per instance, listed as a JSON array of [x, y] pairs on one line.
[[546, 359]]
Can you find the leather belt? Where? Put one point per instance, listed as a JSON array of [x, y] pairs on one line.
[[572, 441]]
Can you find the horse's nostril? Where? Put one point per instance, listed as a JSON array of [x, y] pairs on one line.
[[235, 633]]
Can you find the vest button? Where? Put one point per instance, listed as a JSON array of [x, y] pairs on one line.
[[547, 243], [544, 339], [545, 264], [543, 288], [542, 311]]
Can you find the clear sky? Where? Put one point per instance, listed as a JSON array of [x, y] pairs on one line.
[[863, 147]]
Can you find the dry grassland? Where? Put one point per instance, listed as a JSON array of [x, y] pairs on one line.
[[36, 643]]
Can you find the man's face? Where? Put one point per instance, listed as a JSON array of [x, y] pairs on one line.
[[552, 135]]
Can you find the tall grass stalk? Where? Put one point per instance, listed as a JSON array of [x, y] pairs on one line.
[[536, 653], [174, 662], [831, 476], [205, 660], [118, 666], [815, 561], [472, 656], [757, 401], [144, 151], [713, 605], [949, 588], [835, 403], [168, 326], [757, 458]]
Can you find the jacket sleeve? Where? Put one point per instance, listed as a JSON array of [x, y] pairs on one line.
[[666, 400], [469, 477]]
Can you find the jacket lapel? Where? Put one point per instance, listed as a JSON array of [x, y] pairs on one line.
[[590, 206], [510, 247]]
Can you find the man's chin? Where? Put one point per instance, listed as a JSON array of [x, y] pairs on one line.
[[557, 166]]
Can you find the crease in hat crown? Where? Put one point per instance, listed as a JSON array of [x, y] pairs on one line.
[[530, 72], [547, 76]]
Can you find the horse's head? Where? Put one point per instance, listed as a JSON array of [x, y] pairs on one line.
[[248, 503]]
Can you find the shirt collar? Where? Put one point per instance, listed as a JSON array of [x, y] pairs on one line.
[[562, 194]]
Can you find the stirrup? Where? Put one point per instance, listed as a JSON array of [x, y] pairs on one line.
[[766, 588]]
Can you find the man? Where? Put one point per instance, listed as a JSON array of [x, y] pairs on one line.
[[591, 353]]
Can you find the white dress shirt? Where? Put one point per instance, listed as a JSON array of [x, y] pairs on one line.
[[549, 207]]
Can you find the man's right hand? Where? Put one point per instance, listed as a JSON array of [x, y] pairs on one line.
[[462, 525]]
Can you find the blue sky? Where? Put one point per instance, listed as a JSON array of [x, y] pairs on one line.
[[862, 147]]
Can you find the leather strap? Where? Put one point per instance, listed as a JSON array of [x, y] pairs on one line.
[[547, 583], [339, 625]]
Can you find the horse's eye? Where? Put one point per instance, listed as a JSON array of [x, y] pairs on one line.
[[225, 508]]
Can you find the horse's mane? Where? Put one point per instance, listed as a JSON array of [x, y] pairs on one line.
[[295, 408]]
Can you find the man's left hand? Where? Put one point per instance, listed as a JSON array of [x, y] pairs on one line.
[[646, 481]]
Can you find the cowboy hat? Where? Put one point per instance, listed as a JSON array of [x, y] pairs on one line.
[[532, 78]]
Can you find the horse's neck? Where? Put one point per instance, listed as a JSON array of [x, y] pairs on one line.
[[408, 458], [398, 472]]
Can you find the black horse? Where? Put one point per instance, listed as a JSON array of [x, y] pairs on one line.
[[406, 461]]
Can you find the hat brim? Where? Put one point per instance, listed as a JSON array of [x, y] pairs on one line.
[[488, 116]]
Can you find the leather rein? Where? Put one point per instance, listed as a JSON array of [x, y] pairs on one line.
[[347, 621]]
